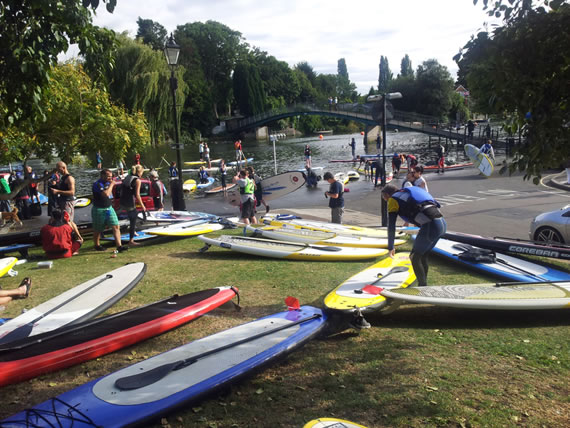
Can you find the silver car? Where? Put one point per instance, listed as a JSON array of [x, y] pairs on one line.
[[553, 226]]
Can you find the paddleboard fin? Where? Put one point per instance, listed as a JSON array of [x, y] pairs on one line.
[[205, 248]]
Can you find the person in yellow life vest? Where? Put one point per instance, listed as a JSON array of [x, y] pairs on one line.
[[246, 189]]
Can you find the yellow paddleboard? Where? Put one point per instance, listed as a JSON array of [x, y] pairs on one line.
[[354, 293], [6, 264], [331, 423], [182, 229], [189, 185], [82, 202]]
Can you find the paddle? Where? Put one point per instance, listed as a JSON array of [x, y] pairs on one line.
[[154, 375], [468, 248], [506, 284], [395, 269], [26, 329], [321, 248]]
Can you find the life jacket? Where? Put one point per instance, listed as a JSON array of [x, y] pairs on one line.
[[127, 192], [156, 189], [248, 188], [416, 205], [99, 199]]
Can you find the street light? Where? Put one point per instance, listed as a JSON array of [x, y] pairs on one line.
[[383, 98], [171, 51]]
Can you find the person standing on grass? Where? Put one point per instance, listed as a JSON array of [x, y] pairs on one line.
[[130, 197], [335, 196], [65, 191], [156, 191], [246, 189], [415, 205], [102, 213]]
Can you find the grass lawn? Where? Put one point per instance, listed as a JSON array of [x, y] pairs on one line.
[[419, 366]]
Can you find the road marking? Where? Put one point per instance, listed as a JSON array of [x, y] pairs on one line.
[[456, 199]]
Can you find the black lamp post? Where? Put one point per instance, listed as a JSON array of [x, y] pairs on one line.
[[171, 51], [384, 97]]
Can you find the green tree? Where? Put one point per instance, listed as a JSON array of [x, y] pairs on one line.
[[218, 47], [80, 119], [434, 87], [407, 86], [306, 68], [345, 89], [406, 67], [384, 76], [33, 33], [522, 71], [151, 33], [279, 82], [248, 89]]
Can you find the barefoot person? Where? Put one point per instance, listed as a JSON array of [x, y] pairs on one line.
[[22, 292], [130, 197]]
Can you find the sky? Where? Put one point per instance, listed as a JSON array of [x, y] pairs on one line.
[[321, 32]]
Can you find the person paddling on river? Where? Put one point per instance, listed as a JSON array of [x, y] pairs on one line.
[[415, 205]]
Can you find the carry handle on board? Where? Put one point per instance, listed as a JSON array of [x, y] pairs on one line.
[[395, 269], [154, 375], [467, 247], [26, 329]]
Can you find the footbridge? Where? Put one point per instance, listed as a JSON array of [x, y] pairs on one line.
[[366, 114]]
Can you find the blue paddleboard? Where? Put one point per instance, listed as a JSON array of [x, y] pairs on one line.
[[21, 248], [134, 395], [208, 184], [142, 236]]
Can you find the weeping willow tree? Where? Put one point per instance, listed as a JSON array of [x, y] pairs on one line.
[[140, 79]]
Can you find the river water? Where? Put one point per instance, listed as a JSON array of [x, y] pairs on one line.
[[289, 153]]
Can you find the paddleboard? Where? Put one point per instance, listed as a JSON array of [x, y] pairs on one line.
[[21, 248], [273, 187], [341, 229], [191, 163], [353, 175], [202, 186], [43, 198], [125, 237], [78, 304], [546, 295], [342, 177], [331, 423], [212, 169], [316, 169], [219, 360], [67, 346], [82, 202], [173, 216], [189, 185], [515, 246], [6, 264], [480, 160], [219, 189], [290, 250], [434, 168], [242, 162], [506, 267], [362, 291], [185, 229], [308, 236]]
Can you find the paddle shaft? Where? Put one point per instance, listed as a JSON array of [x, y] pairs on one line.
[[138, 381], [25, 330], [546, 282]]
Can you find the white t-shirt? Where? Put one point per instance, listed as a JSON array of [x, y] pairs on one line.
[[419, 181]]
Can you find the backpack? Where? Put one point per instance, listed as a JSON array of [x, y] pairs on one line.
[[478, 255]]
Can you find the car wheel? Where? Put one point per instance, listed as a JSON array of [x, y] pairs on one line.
[[548, 234]]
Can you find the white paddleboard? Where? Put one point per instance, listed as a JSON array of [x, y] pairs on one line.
[[290, 250], [190, 228], [317, 237], [273, 187], [80, 303], [480, 160], [547, 295], [174, 216]]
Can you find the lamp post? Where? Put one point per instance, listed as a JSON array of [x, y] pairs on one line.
[[384, 97], [171, 51]]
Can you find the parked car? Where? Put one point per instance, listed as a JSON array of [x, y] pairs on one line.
[[553, 226], [145, 195]]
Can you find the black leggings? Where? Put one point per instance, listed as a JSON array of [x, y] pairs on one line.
[[132, 215]]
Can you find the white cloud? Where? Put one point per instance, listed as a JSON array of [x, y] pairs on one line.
[[323, 31]]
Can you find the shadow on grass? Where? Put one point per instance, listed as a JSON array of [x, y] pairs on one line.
[[429, 317]]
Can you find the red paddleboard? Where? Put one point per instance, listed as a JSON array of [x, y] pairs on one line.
[[44, 353]]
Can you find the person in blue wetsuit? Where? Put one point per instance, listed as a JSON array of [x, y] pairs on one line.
[[416, 206], [487, 149], [203, 175]]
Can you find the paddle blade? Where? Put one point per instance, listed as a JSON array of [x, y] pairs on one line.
[[292, 303], [372, 289], [18, 333], [141, 380]]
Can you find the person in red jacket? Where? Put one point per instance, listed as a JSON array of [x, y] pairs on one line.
[[60, 237]]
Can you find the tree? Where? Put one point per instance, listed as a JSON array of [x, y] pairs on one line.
[[218, 47], [80, 119], [523, 71], [346, 91], [434, 87], [407, 86], [248, 89], [406, 67], [306, 68], [151, 33], [384, 76], [33, 34]]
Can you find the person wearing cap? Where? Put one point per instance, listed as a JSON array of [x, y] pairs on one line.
[[416, 206], [334, 195]]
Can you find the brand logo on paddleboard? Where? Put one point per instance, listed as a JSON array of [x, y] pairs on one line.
[[295, 179], [534, 251]]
